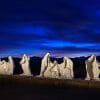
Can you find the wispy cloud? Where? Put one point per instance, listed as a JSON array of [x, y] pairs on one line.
[[63, 27]]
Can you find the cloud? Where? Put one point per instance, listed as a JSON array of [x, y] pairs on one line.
[[60, 27]]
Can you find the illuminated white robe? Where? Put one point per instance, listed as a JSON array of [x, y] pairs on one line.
[[10, 66], [44, 64], [48, 69], [52, 71], [2, 67], [7, 68], [94, 67], [66, 69], [25, 65]]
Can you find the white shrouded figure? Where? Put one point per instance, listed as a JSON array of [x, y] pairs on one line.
[[92, 68], [54, 70], [10, 65], [66, 68], [2, 67], [25, 65], [7, 68], [49, 69], [44, 64]]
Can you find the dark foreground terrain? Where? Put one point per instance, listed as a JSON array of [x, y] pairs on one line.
[[30, 88]]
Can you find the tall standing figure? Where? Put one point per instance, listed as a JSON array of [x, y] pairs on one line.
[[10, 65], [92, 68], [66, 68], [25, 65], [49, 69], [54, 70], [7, 68], [3, 67], [44, 64]]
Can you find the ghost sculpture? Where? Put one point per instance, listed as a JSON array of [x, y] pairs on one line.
[[92, 68], [44, 64], [25, 65], [6, 68], [54, 70], [10, 65], [66, 69], [3, 67], [49, 69]]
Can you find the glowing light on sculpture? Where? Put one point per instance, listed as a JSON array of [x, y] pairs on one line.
[[25, 65], [49, 69], [92, 68], [66, 68], [7, 68]]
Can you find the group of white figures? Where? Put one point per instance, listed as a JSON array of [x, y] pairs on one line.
[[51, 69], [55, 70]]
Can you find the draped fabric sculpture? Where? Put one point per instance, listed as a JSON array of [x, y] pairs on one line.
[[92, 68], [2, 67], [54, 70], [49, 69], [25, 65], [7, 68], [44, 64], [66, 68]]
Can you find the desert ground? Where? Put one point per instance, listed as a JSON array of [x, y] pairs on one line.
[[34, 88]]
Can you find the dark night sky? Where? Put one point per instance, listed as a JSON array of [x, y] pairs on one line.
[[61, 27]]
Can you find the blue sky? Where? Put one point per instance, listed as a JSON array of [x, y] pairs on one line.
[[61, 27]]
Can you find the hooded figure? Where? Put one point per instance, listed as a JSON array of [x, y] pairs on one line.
[[2, 67], [54, 70], [66, 68], [92, 68], [7, 68], [44, 64], [48, 69], [25, 65], [10, 66]]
